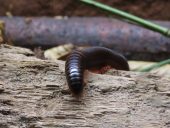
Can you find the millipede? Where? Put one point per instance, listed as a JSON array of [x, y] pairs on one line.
[[88, 59]]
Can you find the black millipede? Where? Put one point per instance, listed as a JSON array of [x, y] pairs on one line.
[[95, 57]]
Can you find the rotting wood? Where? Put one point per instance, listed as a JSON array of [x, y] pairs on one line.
[[133, 41], [33, 93]]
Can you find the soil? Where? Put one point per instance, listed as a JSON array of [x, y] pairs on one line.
[[151, 9]]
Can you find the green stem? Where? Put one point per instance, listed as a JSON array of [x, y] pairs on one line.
[[131, 17], [154, 66]]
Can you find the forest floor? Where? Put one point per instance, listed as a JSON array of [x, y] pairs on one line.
[[150, 9]]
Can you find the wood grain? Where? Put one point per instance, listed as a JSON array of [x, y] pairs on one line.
[[34, 94]]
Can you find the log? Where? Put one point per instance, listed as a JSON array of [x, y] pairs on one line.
[[135, 42], [34, 94]]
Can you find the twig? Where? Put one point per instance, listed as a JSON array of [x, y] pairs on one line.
[[130, 17]]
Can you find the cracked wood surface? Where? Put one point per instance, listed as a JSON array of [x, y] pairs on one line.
[[34, 94]]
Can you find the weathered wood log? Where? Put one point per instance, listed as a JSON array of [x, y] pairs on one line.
[[34, 94], [133, 41]]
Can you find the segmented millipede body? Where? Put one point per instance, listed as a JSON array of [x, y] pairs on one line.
[[95, 57]]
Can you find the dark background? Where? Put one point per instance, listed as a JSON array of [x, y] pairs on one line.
[[151, 9]]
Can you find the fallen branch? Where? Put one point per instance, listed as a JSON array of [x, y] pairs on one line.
[[133, 41]]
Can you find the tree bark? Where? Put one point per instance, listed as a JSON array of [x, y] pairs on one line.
[[34, 94]]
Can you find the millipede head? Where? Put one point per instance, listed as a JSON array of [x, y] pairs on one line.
[[76, 89]]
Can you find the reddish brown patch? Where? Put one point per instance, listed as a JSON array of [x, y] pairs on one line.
[[101, 70]]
